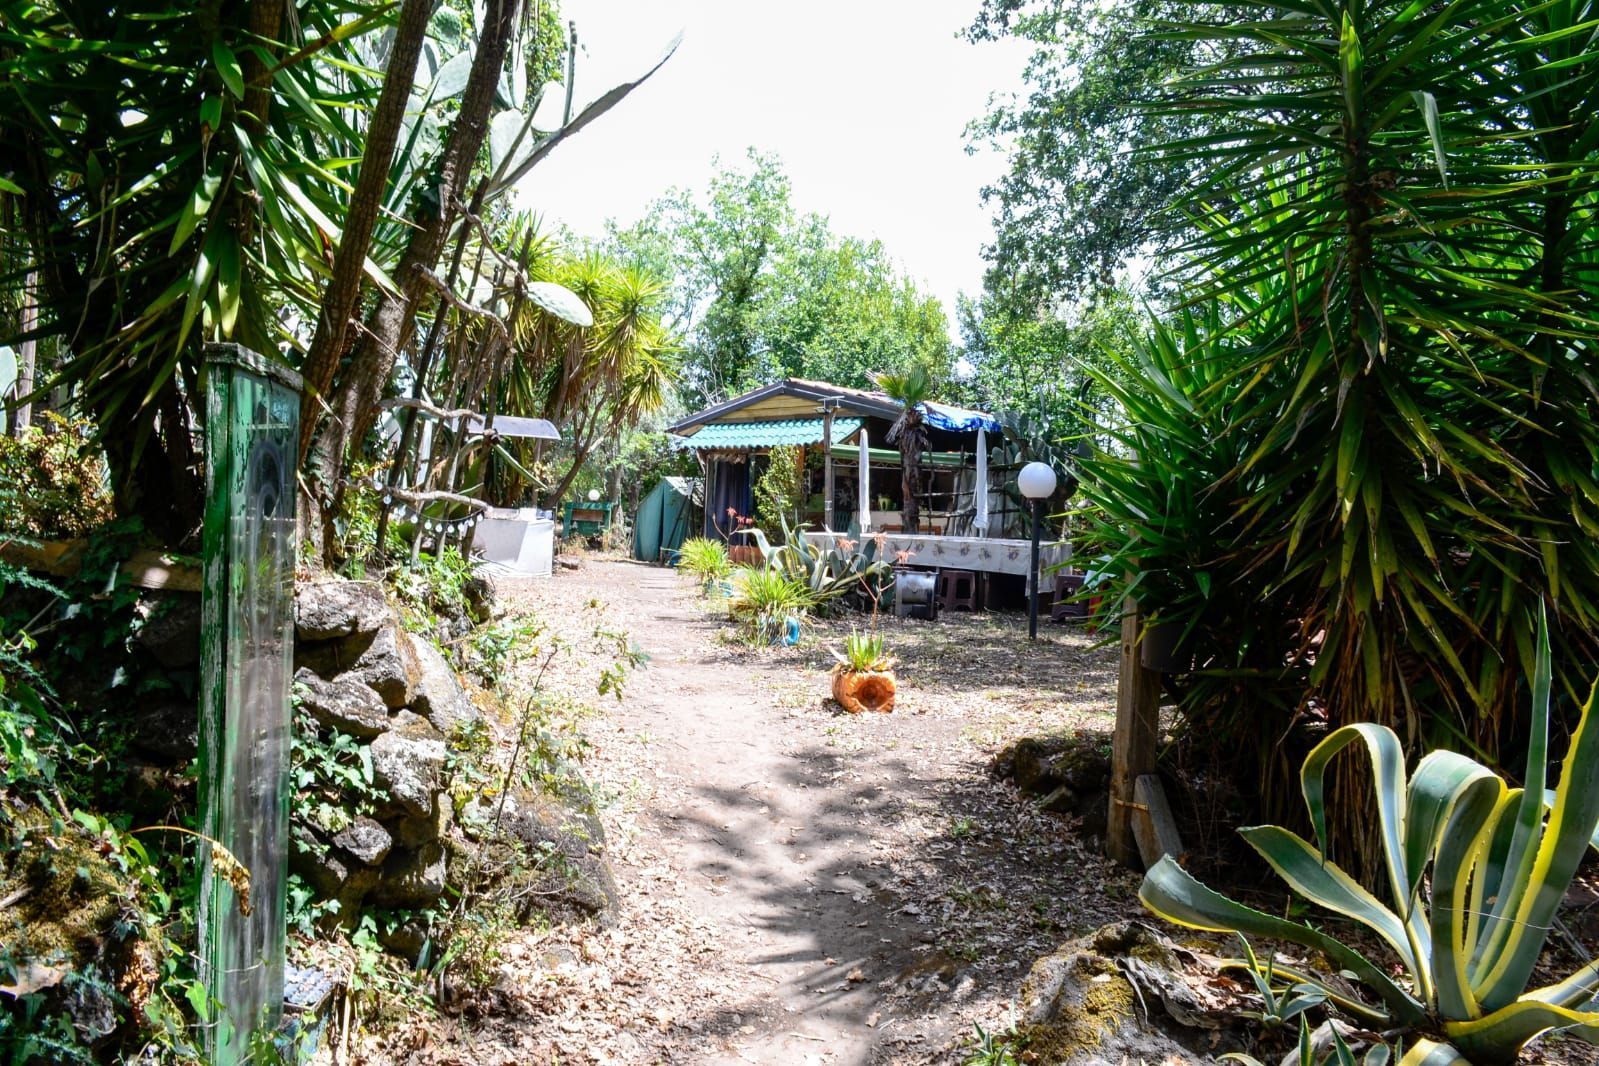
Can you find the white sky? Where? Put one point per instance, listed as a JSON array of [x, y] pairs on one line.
[[865, 103]]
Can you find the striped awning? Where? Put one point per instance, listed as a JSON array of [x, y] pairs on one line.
[[727, 435]]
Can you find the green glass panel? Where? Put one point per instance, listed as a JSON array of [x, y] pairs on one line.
[[247, 652]]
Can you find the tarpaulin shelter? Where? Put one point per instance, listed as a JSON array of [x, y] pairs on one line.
[[667, 516]]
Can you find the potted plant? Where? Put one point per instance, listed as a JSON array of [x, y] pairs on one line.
[[863, 679]]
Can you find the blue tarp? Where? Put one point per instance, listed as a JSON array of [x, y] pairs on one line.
[[957, 419]]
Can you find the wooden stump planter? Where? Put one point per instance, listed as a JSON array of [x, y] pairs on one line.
[[864, 690], [864, 679]]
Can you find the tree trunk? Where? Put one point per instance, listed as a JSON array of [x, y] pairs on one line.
[[354, 400], [344, 290], [27, 353]]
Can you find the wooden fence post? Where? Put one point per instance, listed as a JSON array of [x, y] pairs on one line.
[[1133, 745]]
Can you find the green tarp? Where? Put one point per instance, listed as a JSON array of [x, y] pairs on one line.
[[666, 517]]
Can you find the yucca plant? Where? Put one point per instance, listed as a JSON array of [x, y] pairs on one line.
[[1475, 871], [1386, 387], [704, 558]]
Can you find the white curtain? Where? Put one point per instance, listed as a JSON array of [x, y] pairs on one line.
[[980, 492], [863, 488]]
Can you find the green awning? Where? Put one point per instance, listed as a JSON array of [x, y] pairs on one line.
[[769, 434]]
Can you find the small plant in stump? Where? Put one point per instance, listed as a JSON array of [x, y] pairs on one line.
[[863, 679]]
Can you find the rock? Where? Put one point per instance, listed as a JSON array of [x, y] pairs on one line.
[[408, 761], [334, 874], [412, 878], [579, 877], [479, 593], [346, 703], [405, 939], [388, 666], [90, 1006], [330, 610], [169, 732], [1061, 801], [411, 831], [439, 696], [1039, 765], [1079, 1006], [366, 840], [170, 629]]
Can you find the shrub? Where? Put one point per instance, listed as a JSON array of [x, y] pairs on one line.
[[705, 559], [780, 490], [1469, 936], [53, 479], [764, 598]]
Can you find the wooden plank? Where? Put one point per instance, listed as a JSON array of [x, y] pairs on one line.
[[1154, 828], [1133, 744], [146, 568], [827, 466]]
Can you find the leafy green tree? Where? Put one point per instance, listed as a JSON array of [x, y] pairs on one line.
[[761, 292], [1079, 197], [1035, 361]]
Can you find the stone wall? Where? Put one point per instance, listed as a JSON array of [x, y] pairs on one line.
[[360, 673]]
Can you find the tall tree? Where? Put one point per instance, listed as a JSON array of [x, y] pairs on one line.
[[1079, 197], [353, 403], [343, 291], [762, 292]]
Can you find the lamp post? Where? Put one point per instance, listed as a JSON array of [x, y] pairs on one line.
[[1036, 482]]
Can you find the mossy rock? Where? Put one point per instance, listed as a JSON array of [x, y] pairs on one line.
[[65, 897], [1078, 1007]]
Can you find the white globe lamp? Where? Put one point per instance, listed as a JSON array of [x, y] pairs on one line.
[[1036, 482], [594, 495]]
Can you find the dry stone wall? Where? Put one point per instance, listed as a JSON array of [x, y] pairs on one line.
[[360, 673]]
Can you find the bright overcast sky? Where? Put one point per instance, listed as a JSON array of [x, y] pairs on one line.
[[864, 101]]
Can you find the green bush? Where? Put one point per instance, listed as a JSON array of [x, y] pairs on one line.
[[704, 559], [53, 480], [780, 490], [764, 598]]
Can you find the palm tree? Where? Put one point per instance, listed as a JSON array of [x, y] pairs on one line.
[[910, 388]]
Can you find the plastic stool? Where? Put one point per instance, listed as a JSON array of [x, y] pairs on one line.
[[957, 589]]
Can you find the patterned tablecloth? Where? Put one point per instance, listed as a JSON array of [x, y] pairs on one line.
[[988, 554]]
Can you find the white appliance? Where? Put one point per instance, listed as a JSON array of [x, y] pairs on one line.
[[521, 539]]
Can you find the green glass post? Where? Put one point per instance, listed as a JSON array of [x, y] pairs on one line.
[[247, 654]]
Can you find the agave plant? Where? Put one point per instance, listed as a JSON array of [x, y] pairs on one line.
[[1469, 935], [863, 654], [832, 571]]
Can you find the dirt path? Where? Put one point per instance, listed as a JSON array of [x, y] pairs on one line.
[[799, 885]]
